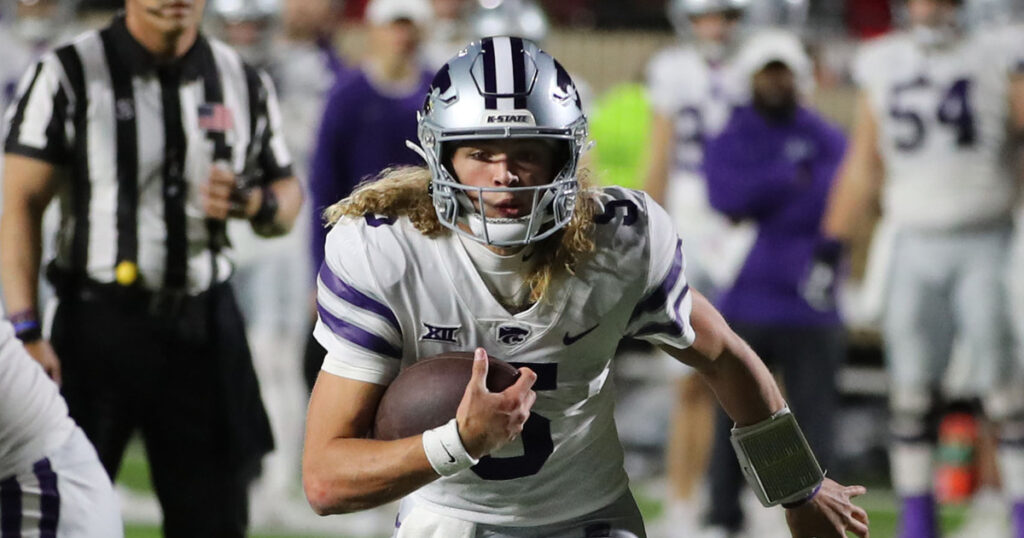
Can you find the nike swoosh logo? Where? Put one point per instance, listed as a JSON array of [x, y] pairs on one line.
[[451, 459], [571, 339]]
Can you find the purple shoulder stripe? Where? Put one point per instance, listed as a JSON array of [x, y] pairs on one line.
[[49, 499], [10, 508], [672, 328], [357, 335], [355, 297], [657, 298]]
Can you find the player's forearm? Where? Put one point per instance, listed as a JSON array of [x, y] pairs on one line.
[[1017, 124], [347, 475], [744, 386], [656, 181], [859, 181], [20, 252], [849, 201]]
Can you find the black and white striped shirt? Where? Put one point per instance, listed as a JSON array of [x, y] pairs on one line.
[[136, 139]]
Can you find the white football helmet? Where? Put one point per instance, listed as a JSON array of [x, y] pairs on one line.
[[502, 87], [523, 18], [680, 11], [941, 33], [247, 25]]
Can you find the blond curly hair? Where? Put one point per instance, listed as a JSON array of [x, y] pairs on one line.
[[402, 192]]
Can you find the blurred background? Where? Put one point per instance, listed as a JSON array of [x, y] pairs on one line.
[[607, 45]]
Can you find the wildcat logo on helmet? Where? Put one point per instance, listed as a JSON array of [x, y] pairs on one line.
[[512, 117]]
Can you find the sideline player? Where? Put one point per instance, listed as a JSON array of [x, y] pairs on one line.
[[293, 41], [693, 87], [51, 480], [931, 122], [501, 246]]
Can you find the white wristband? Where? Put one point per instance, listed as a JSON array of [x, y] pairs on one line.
[[444, 449]]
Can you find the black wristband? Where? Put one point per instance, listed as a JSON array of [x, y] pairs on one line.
[[29, 335], [268, 209], [26, 325]]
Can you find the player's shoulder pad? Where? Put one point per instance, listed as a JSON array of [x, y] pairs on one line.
[[1003, 42], [621, 220], [379, 243], [621, 241], [876, 48], [874, 57]]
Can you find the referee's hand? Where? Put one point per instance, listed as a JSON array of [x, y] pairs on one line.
[[222, 199]]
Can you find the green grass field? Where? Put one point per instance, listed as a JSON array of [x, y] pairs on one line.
[[879, 503]]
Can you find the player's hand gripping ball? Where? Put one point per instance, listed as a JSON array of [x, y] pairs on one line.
[[427, 394]]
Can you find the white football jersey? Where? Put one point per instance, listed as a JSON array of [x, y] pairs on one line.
[[942, 125], [387, 296], [698, 97], [33, 416]]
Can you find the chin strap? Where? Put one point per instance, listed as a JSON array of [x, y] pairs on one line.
[[503, 231], [419, 151]]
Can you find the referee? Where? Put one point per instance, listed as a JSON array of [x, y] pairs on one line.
[[151, 136]]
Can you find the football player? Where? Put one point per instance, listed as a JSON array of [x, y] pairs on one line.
[[693, 87], [51, 480], [500, 246], [931, 124], [296, 48]]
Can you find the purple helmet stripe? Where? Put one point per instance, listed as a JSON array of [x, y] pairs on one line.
[[490, 77], [49, 501], [357, 335], [10, 508], [518, 73], [657, 298], [355, 297]]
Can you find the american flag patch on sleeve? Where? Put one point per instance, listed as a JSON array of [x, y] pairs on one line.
[[215, 117]]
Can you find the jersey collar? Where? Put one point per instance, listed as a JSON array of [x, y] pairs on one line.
[[474, 295]]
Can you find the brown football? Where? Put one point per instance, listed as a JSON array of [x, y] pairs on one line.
[[427, 394]]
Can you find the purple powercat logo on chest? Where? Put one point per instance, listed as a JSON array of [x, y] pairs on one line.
[[512, 335]]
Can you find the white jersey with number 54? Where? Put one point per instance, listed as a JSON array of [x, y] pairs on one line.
[[942, 125], [388, 295]]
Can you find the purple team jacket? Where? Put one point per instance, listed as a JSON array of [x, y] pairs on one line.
[[777, 174], [361, 133]]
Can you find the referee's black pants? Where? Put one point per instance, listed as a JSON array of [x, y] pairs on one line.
[[180, 373], [807, 359]]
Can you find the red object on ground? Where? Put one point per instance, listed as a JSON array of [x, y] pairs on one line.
[[956, 474]]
